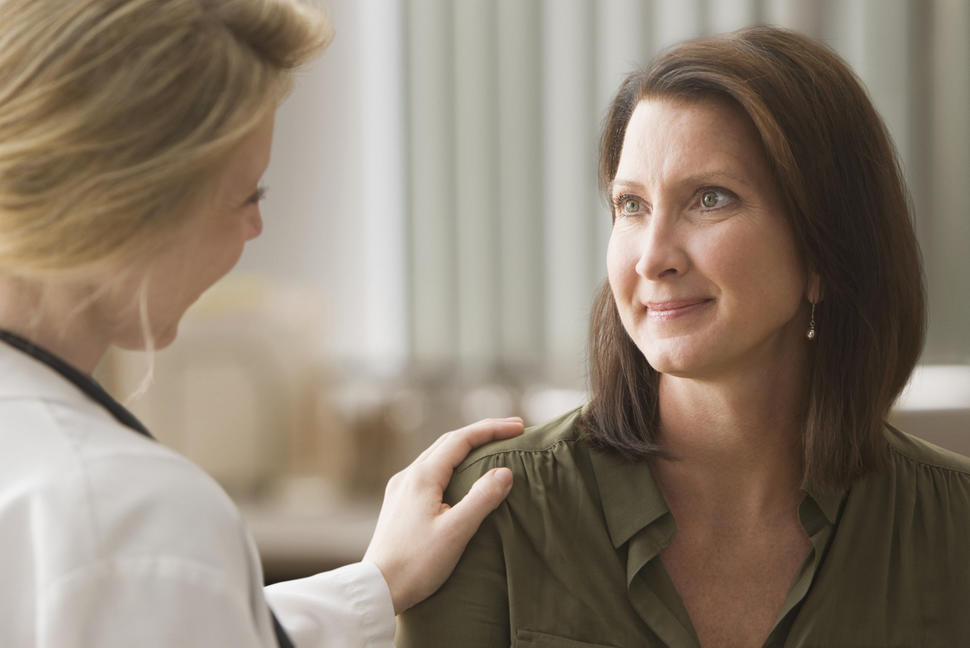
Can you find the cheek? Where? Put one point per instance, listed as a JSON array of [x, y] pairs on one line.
[[728, 261], [225, 245], [621, 260], [759, 267], [233, 249]]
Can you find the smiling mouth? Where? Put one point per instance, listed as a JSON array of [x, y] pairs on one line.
[[673, 309]]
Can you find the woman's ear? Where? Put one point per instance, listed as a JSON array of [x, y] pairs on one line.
[[813, 289]]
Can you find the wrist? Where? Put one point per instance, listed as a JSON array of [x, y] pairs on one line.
[[391, 580]]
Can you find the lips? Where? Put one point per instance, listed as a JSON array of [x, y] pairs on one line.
[[666, 310]]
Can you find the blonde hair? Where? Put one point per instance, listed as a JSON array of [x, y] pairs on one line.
[[116, 115]]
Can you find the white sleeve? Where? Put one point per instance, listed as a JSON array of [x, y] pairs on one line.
[[348, 607], [149, 602]]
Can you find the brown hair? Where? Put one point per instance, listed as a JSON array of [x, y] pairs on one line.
[[848, 208]]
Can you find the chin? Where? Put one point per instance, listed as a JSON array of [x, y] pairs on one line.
[[166, 334], [166, 341], [670, 368], [678, 363], [666, 355], [692, 353], [137, 341]]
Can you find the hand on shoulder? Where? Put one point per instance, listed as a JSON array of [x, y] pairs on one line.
[[419, 537]]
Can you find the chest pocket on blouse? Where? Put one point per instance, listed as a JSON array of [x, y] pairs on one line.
[[533, 639]]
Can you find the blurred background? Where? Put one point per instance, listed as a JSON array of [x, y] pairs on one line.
[[433, 239]]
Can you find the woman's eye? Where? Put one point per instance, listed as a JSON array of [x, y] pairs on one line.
[[629, 205], [257, 196], [714, 198]]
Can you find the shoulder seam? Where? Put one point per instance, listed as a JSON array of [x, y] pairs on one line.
[[516, 451], [893, 449]]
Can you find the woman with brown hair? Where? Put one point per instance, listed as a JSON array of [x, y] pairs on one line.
[[732, 480]]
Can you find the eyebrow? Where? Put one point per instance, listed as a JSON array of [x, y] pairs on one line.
[[706, 177]]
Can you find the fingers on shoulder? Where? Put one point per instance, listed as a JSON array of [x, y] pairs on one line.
[[485, 494], [481, 471], [490, 429], [457, 445], [452, 447], [490, 488]]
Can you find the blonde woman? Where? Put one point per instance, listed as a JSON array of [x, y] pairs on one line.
[[133, 134]]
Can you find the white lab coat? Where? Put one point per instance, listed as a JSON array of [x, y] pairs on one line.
[[109, 539]]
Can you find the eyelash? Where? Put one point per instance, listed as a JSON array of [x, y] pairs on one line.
[[258, 196], [622, 198], [726, 195]]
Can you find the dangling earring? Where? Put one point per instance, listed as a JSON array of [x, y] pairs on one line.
[[811, 324]]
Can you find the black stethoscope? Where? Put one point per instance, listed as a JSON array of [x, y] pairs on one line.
[[96, 392]]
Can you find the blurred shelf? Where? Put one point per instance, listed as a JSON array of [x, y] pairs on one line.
[[935, 406], [299, 541]]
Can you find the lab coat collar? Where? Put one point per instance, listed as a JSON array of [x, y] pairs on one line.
[[30, 371]]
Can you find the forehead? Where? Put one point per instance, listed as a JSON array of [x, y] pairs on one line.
[[668, 135]]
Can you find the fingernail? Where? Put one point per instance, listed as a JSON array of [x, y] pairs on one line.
[[517, 419], [502, 476]]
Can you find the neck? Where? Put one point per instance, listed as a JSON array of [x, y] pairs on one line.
[[60, 317], [736, 442]]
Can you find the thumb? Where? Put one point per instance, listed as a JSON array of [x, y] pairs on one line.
[[485, 494]]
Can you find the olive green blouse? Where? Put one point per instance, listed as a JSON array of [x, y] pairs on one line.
[[571, 559]]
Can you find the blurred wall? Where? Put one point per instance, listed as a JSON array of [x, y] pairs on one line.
[[335, 209]]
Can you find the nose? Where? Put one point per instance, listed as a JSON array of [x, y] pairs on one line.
[[662, 254]]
